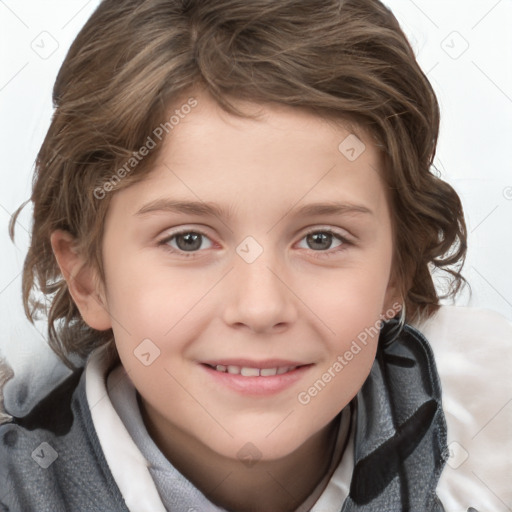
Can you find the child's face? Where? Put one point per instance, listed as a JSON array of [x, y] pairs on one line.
[[253, 286]]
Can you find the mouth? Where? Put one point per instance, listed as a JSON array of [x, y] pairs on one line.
[[251, 371], [256, 378]]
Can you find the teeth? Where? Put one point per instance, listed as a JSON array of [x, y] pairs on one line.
[[253, 372], [250, 372]]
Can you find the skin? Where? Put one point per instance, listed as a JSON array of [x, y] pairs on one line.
[[298, 300]]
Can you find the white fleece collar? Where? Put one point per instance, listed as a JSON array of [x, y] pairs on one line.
[[127, 465]]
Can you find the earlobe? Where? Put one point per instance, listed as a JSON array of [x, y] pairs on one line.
[[82, 281]]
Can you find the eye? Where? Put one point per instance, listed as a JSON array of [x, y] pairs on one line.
[[186, 242], [189, 243], [323, 240]]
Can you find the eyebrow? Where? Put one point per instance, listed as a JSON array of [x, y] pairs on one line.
[[201, 208]]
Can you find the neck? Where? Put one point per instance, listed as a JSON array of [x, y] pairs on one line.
[[275, 486]]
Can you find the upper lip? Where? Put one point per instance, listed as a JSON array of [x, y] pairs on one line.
[[247, 363]]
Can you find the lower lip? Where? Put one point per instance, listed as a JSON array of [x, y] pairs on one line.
[[259, 386]]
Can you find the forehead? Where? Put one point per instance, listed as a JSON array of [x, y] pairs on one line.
[[278, 131], [284, 157]]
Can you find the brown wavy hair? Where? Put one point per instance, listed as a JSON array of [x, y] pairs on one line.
[[346, 60]]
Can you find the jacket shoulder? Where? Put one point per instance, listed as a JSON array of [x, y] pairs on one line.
[[51, 459]]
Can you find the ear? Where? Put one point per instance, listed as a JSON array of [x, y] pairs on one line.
[[83, 283], [393, 300]]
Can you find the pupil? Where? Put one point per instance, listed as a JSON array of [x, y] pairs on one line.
[[192, 241], [321, 240]]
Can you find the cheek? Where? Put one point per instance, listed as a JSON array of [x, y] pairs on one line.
[[148, 298], [337, 383], [350, 306], [350, 299], [350, 356]]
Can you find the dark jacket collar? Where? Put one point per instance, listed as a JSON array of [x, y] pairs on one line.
[[400, 436]]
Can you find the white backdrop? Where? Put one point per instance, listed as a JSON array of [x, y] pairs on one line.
[[464, 47]]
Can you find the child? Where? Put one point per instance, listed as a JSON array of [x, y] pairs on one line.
[[235, 224]]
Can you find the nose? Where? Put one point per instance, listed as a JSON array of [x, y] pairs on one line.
[[259, 298]]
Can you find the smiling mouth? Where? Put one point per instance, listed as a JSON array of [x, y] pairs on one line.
[[246, 371]]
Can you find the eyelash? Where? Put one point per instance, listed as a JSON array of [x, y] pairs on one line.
[[319, 254]]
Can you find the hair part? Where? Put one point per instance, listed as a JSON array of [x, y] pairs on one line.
[[135, 60]]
